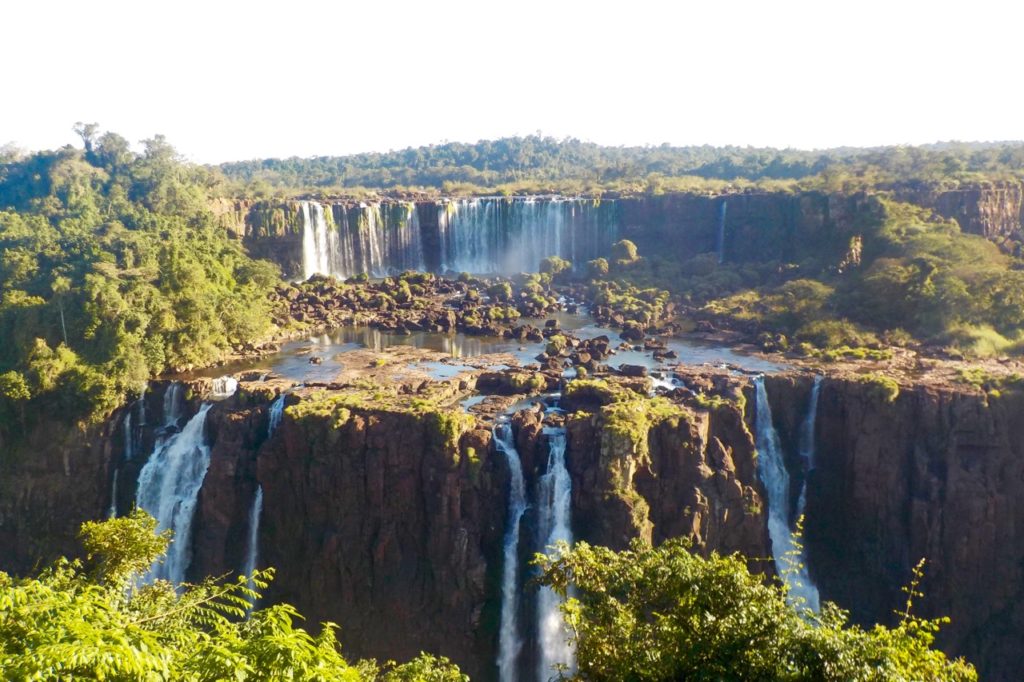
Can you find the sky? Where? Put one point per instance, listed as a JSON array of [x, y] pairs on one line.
[[225, 80]]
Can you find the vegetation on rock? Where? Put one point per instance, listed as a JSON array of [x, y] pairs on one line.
[[667, 614]]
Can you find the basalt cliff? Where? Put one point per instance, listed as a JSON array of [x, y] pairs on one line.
[[385, 515]]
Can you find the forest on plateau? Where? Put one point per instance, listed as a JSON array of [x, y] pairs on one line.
[[539, 164]]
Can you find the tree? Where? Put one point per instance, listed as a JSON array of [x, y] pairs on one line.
[[92, 622], [624, 250], [88, 132], [15, 393], [666, 614]]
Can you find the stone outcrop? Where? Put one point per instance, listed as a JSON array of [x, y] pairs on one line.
[[994, 212]]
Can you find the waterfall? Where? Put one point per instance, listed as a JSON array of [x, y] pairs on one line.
[[318, 243], [515, 235], [173, 404], [720, 243], [112, 511], [224, 387], [510, 642], [275, 414], [252, 548], [169, 486], [772, 470], [806, 442], [491, 235], [375, 239], [554, 499]]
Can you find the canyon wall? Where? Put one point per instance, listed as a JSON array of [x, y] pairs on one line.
[[801, 227], [378, 520], [994, 212], [936, 474]]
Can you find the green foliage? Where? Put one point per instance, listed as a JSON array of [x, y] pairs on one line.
[[541, 165], [880, 386], [112, 269], [68, 623], [666, 614], [500, 291], [424, 668], [624, 250], [597, 268], [553, 265]]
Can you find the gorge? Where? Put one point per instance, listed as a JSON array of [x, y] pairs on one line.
[[423, 498], [426, 516]]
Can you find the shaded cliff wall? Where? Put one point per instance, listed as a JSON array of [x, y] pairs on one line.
[[758, 227], [938, 474], [994, 212], [49, 485], [372, 519]]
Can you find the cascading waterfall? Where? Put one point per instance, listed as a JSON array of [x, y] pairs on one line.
[[275, 414], [376, 239], [514, 235], [554, 501], [720, 242], [510, 641], [318, 243], [169, 486], [173, 404], [224, 387], [806, 442], [772, 471]]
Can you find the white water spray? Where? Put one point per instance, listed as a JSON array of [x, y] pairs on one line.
[[169, 486], [772, 469], [554, 505], [510, 642], [224, 387]]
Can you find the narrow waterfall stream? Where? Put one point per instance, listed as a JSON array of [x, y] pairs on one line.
[[720, 242], [169, 486], [252, 547], [510, 641], [806, 443], [772, 471], [275, 415], [554, 505]]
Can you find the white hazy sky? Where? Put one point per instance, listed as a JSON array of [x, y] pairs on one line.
[[237, 80]]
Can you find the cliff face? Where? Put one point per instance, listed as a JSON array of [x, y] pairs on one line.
[[936, 474], [996, 213], [378, 520], [49, 485], [757, 227], [690, 474]]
